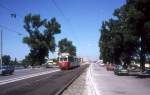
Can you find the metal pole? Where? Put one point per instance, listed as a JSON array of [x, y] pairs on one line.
[[1, 47]]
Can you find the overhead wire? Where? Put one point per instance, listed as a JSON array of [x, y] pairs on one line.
[[65, 18], [9, 29], [12, 14], [10, 10], [59, 9]]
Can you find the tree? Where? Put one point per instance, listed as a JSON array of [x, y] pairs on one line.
[[129, 39], [6, 60], [129, 33], [14, 62], [105, 44], [137, 19], [41, 38], [66, 46], [27, 61]]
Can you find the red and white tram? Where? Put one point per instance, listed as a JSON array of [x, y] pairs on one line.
[[66, 61]]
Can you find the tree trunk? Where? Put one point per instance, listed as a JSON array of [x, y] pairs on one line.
[[142, 56], [142, 62]]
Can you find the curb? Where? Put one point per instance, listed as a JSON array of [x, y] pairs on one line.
[[69, 83]]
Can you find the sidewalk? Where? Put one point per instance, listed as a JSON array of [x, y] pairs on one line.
[[91, 87], [106, 83], [96, 80], [84, 85]]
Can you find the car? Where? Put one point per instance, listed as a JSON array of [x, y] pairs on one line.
[[49, 64], [146, 73], [5, 69], [102, 64], [120, 70]]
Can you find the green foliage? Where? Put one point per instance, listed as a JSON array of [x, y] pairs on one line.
[[104, 43], [41, 38], [6, 60], [27, 61], [127, 35], [15, 62], [66, 46]]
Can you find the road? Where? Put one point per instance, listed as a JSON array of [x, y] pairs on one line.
[[25, 73], [106, 83], [100, 82], [47, 84]]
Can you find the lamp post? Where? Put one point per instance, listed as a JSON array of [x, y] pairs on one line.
[[1, 47]]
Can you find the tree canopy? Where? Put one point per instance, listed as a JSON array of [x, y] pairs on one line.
[[41, 38], [6, 59], [128, 34], [66, 46]]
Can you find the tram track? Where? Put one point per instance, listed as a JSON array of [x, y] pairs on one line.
[[69, 83], [49, 84]]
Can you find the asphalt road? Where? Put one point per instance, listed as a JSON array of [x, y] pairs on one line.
[[48, 84], [106, 83], [24, 72]]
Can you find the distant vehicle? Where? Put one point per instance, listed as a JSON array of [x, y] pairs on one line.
[[101, 64], [49, 63], [66, 61], [6, 70], [146, 73], [110, 67], [119, 70], [134, 68], [99, 61]]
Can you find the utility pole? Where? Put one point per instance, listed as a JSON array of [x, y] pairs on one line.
[[1, 47]]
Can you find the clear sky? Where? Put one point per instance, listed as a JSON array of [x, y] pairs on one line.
[[80, 22]]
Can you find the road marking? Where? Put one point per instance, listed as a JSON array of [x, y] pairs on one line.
[[93, 89], [90, 88], [25, 77]]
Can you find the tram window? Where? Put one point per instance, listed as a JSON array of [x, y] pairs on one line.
[[61, 59], [71, 59], [65, 59]]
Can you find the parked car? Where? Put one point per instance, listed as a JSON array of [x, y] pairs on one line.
[[6, 70], [146, 73], [120, 70], [134, 68], [110, 67]]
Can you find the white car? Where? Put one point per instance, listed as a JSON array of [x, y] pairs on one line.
[[102, 64]]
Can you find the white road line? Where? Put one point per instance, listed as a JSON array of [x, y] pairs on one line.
[[92, 83], [90, 87], [25, 77], [18, 70]]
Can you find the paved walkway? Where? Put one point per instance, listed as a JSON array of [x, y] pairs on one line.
[[104, 82], [96, 80]]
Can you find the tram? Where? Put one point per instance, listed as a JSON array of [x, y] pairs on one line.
[[66, 61]]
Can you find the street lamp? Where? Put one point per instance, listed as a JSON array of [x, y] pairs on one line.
[[1, 45]]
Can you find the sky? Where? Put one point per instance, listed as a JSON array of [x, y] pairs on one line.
[[80, 22]]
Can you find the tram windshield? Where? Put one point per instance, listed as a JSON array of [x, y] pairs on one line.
[[63, 59]]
